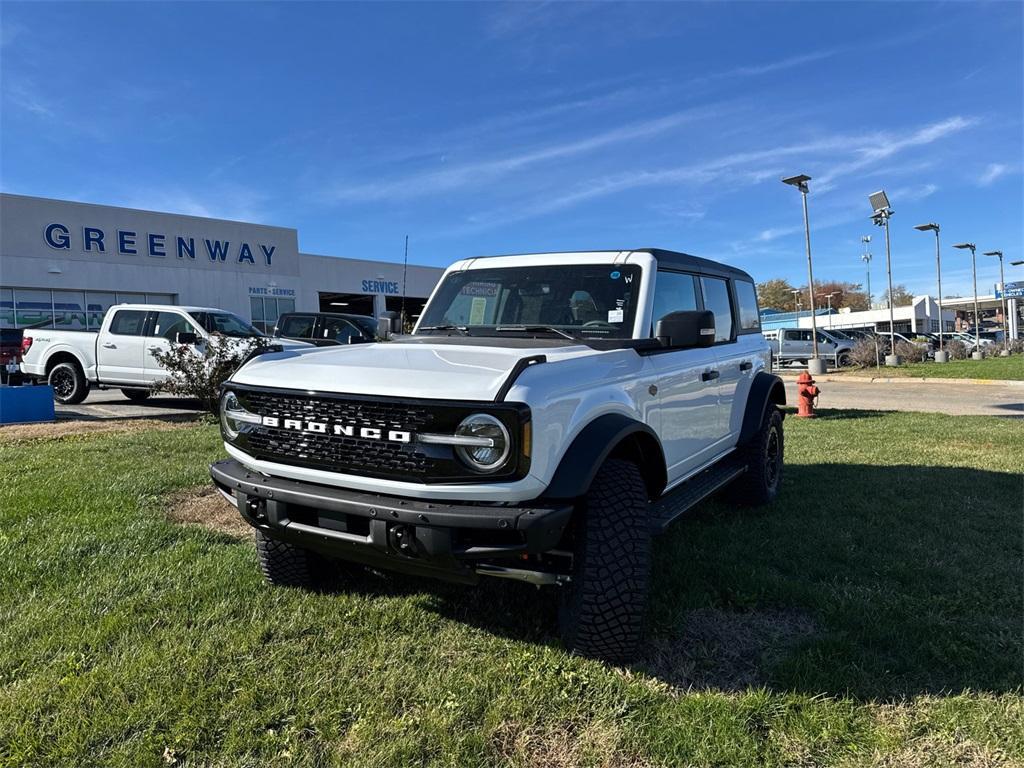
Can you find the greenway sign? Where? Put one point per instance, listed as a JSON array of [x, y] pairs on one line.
[[131, 242]]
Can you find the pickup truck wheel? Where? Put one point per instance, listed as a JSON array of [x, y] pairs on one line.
[[136, 395], [602, 609], [286, 565], [763, 455], [844, 360], [69, 383]]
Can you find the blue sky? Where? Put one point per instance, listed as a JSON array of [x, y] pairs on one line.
[[498, 128]]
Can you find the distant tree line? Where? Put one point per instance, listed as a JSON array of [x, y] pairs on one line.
[[778, 294]]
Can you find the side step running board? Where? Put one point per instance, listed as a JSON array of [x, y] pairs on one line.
[[678, 501]]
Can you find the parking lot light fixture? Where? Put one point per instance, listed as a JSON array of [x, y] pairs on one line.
[[1002, 297], [940, 356], [815, 365], [828, 298], [974, 271], [1016, 263], [880, 203]]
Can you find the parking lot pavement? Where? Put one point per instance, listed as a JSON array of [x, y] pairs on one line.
[[111, 404], [954, 399]]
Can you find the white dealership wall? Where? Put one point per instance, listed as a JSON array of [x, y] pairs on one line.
[[63, 245]]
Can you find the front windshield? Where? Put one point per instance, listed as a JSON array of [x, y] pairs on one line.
[[584, 300], [224, 323]]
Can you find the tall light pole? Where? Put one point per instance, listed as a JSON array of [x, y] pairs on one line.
[[940, 355], [866, 258], [1002, 298], [815, 366], [880, 203], [828, 298], [976, 354]]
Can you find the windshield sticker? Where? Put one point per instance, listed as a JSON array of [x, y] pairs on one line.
[[479, 289], [615, 315], [477, 310]]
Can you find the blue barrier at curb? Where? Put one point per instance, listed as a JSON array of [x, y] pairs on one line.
[[19, 405]]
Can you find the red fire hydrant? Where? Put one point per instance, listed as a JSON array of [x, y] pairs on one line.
[[806, 393]]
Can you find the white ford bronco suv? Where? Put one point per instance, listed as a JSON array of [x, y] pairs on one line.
[[547, 416]]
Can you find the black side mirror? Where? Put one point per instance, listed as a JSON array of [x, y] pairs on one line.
[[683, 330], [186, 337]]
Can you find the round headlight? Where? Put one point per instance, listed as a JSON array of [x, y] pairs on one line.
[[492, 444], [228, 403]]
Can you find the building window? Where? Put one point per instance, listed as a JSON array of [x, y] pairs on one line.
[[265, 310], [66, 310]]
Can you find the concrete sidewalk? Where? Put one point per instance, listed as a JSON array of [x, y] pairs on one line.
[[849, 378]]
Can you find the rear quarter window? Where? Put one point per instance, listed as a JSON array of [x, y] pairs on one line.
[[746, 298]]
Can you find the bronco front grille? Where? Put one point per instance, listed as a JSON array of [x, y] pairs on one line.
[[357, 455]]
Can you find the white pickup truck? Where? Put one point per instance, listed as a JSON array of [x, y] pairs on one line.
[[122, 354]]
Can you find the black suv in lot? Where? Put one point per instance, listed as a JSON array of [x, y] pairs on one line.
[[326, 329]]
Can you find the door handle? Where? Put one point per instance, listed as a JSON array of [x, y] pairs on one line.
[[709, 376], [109, 345], [746, 365], [153, 349]]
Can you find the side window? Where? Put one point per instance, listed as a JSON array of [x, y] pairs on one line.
[[339, 330], [716, 299], [169, 324], [673, 292], [746, 298], [128, 322], [296, 326]]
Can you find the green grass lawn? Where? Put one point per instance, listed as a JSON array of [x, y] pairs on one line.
[[872, 616], [1003, 368]]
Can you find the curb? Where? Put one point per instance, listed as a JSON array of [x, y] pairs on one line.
[[913, 380]]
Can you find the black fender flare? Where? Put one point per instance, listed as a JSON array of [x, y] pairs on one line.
[[605, 435], [764, 389]]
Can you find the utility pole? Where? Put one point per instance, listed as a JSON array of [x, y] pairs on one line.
[[866, 258], [405, 269]]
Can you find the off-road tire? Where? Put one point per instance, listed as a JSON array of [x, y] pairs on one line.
[[136, 395], [844, 360], [69, 384], [602, 609], [763, 455], [286, 565]]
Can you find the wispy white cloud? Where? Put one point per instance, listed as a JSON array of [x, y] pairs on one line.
[[743, 169], [481, 172], [24, 95], [225, 201], [914, 193], [992, 172]]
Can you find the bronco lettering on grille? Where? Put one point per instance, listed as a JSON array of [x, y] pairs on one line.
[[340, 430]]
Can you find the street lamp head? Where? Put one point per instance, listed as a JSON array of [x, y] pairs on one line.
[[965, 246], [799, 181], [1016, 263], [865, 238], [994, 253], [932, 227], [879, 201]]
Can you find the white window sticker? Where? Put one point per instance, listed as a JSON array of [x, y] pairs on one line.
[[615, 315], [477, 310]]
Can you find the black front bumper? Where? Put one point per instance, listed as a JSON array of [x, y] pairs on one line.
[[443, 540]]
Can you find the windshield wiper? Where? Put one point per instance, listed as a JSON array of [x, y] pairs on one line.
[[536, 329], [460, 328]]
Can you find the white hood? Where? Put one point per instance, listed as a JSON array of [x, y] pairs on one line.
[[431, 371]]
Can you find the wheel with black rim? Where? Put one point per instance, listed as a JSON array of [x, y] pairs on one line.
[[844, 360], [68, 382], [136, 395], [602, 608], [764, 456]]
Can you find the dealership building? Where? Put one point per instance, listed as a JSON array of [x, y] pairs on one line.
[[64, 263]]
